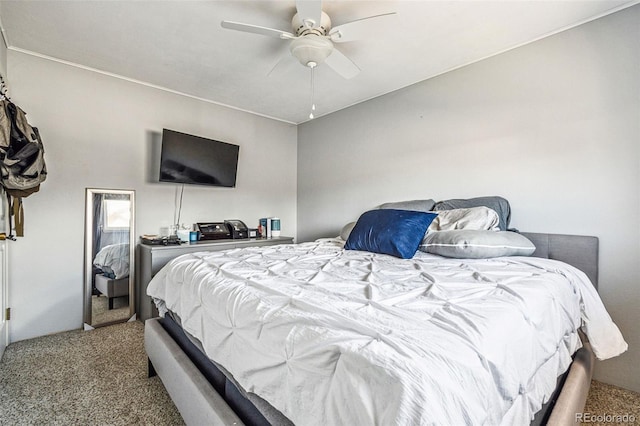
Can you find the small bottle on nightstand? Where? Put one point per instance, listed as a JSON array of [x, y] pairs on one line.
[[275, 227]]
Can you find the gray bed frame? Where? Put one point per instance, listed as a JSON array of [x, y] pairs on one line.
[[200, 404]]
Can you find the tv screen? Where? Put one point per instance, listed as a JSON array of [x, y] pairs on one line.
[[194, 160]]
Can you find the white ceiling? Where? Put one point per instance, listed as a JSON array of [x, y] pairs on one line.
[[180, 45]]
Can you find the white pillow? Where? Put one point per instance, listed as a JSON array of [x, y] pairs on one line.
[[476, 218], [473, 244], [346, 230]]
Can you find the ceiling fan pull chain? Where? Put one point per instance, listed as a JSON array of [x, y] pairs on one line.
[[312, 65]]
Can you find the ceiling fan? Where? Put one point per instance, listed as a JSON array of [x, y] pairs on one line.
[[312, 37]]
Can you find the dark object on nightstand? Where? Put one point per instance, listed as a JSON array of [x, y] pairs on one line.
[[171, 240], [213, 231], [237, 228]]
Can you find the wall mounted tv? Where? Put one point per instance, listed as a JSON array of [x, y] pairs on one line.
[[194, 160]]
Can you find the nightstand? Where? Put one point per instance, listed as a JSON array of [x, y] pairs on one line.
[[151, 258]]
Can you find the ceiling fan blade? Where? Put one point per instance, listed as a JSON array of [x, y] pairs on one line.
[[255, 29], [285, 61], [358, 29], [341, 64], [309, 10]]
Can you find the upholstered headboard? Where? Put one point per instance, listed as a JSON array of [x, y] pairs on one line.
[[576, 250]]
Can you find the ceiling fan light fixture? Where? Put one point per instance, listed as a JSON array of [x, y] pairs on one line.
[[303, 26], [311, 49], [312, 36]]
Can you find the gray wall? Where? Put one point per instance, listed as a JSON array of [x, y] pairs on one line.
[[552, 126], [100, 131]]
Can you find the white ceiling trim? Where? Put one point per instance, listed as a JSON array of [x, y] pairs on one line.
[[5, 40], [558, 31], [270, 110], [143, 83]]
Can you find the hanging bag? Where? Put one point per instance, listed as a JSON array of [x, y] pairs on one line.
[[22, 165], [21, 153]]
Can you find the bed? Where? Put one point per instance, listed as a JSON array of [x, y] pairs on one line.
[[111, 271], [298, 330]]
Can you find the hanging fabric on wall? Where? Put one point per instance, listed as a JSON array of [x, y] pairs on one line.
[[22, 164]]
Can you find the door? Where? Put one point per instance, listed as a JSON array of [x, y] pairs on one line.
[[4, 326]]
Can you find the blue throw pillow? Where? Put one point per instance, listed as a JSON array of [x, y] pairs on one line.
[[390, 231]]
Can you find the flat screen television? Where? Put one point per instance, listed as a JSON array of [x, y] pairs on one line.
[[194, 160]]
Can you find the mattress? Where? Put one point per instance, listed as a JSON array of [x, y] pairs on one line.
[[420, 341]]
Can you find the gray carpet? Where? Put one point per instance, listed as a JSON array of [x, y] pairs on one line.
[[96, 377], [100, 312], [613, 401], [99, 377]]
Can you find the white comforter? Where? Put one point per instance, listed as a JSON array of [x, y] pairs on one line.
[[114, 260], [330, 336]]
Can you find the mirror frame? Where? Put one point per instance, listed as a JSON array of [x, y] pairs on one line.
[[89, 221]]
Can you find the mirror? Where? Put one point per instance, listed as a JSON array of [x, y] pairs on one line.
[[109, 257]]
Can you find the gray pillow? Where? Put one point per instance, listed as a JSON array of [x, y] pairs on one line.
[[474, 244], [499, 204], [416, 205]]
